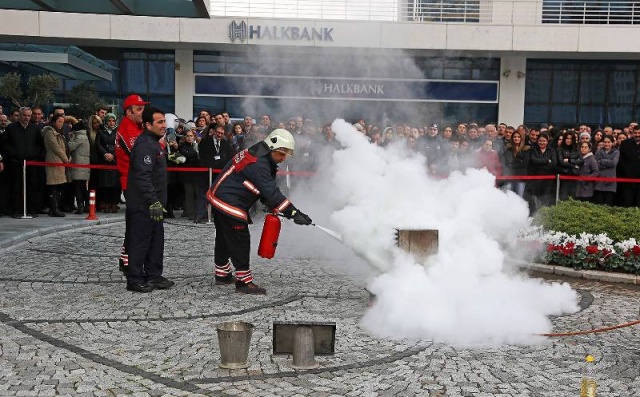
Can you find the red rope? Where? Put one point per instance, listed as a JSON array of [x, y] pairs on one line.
[[592, 331]]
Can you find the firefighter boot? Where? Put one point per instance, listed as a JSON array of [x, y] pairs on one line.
[[249, 288]]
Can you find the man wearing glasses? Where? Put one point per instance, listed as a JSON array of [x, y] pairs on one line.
[[24, 142]]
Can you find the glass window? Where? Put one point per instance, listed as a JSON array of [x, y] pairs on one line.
[[161, 77], [622, 86], [208, 67], [565, 87], [165, 103], [565, 114], [593, 87], [538, 86], [112, 86], [134, 76], [620, 114], [536, 114], [594, 115], [206, 102]]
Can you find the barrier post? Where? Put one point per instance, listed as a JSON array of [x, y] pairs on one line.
[[24, 191], [92, 207], [208, 203], [557, 188]]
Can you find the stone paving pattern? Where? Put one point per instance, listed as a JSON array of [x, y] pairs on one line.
[[69, 327]]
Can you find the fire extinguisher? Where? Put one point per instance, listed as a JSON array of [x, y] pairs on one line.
[[269, 238]]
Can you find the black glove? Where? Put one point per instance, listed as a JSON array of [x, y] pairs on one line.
[[156, 211], [300, 218]]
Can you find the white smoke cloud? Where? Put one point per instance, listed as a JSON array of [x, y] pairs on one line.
[[466, 294]]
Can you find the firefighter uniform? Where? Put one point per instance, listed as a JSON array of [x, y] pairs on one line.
[[249, 176], [146, 185]]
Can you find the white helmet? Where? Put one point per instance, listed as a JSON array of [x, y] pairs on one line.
[[281, 140]]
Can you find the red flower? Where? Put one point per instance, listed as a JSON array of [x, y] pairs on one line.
[[636, 250], [551, 248], [592, 249]]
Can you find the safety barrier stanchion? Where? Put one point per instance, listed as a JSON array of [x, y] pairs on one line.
[[208, 203], [92, 207], [24, 191], [557, 188]]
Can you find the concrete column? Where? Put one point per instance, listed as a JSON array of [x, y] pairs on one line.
[[512, 88], [185, 84]]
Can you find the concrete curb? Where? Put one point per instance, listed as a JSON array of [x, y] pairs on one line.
[[596, 275], [20, 238]]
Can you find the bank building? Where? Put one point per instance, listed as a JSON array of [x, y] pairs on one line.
[[513, 61]]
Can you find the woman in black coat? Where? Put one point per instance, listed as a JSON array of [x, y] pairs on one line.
[[542, 161], [108, 180], [569, 163]]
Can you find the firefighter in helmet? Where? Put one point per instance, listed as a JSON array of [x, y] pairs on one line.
[[249, 176]]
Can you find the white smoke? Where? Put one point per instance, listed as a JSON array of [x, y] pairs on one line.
[[466, 294]]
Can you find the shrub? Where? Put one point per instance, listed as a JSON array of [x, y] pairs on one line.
[[576, 217]]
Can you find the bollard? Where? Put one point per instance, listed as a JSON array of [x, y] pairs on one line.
[[304, 349], [234, 339], [92, 207]]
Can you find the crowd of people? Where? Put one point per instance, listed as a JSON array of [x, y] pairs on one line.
[[211, 139]]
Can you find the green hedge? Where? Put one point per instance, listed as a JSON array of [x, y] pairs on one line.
[[575, 217]]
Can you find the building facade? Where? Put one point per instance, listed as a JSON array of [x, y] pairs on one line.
[[517, 61]]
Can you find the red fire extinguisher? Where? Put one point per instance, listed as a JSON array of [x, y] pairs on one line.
[[269, 238]]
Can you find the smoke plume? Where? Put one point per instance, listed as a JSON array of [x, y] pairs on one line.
[[466, 294]]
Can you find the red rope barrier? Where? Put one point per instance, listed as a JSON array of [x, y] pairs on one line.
[[309, 173]]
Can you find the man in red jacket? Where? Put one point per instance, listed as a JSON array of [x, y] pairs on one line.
[[128, 130]]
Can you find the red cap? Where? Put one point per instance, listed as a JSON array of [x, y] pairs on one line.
[[133, 100]]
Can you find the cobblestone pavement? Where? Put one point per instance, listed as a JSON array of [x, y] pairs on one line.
[[68, 327]]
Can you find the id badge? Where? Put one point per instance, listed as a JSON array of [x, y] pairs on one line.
[[216, 157]]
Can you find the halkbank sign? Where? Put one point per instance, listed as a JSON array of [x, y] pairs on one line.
[[243, 32]]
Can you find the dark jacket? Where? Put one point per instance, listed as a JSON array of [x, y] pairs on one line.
[[542, 163], [249, 176], [147, 179], [573, 163], [211, 158], [192, 160], [24, 143], [106, 143], [629, 163], [515, 163]]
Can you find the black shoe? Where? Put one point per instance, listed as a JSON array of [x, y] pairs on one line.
[[121, 266], [169, 215], [16, 216], [135, 287], [227, 280], [249, 288], [160, 283], [200, 220], [33, 214]]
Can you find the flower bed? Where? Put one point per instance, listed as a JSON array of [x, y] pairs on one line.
[[585, 251]]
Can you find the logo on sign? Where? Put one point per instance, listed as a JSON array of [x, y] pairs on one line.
[[241, 31], [238, 31]]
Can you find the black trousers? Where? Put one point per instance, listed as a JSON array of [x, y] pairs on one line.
[[35, 188], [631, 195], [145, 245], [233, 241]]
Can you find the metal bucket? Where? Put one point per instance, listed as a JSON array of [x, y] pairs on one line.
[[234, 339]]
